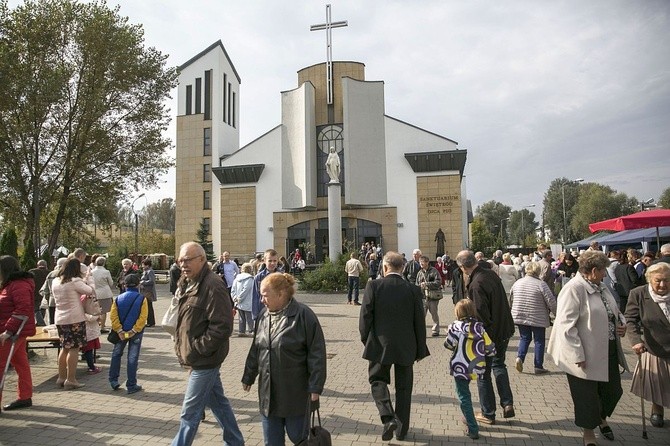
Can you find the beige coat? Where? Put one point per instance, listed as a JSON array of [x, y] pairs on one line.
[[580, 330]]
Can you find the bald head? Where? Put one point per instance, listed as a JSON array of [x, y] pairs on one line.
[[392, 262]]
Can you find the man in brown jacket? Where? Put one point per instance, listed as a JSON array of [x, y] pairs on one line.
[[204, 325]]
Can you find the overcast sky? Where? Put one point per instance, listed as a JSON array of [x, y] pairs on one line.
[[532, 89]]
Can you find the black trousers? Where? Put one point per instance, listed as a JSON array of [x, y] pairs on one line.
[[596, 400], [379, 376], [151, 318]]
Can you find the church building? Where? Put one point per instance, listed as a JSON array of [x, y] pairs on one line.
[[401, 186]]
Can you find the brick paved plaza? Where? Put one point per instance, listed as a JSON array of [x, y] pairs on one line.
[[98, 415]]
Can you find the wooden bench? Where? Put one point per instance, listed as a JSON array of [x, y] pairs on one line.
[[44, 340]]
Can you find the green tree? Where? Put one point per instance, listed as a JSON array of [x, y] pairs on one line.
[[161, 215], [522, 230], [598, 202], [82, 112], [482, 239], [28, 258], [9, 244], [664, 200], [552, 216], [494, 214], [202, 237]]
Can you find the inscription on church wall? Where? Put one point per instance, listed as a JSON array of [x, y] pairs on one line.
[[439, 207], [439, 204]]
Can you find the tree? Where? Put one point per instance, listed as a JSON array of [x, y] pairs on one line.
[[552, 216], [664, 200], [493, 214], [597, 202], [202, 237], [522, 231], [82, 113], [482, 239], [161, 215], [28, 258], [9, 244]]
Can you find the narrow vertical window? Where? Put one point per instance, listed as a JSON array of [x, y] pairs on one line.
[[225, 105], [207, 141], [208, 94], [207, 173], [206, 224], [189, 99], [206, 199], [198, 95], [230, 87], [233, 120]]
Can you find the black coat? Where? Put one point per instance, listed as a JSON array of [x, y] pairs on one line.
[[488, 294], [647, 323], [626, 279], [291, 365], [392, 324]]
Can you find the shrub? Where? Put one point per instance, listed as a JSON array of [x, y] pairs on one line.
[[330, 276]]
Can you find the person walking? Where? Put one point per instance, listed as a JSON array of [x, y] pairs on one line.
[[129, 317], [104, 285], [148, 289], [428, 279], [242, 294], [353, 268], [392, 328], [204, 326], [487, 292], [40, 274]]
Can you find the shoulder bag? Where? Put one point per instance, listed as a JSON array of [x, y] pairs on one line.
[[113, 336], [169, 322]]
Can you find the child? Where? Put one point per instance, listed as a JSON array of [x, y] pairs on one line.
[[92, 312], [470, 342]]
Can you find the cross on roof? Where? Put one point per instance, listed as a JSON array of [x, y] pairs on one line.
[[328, 26]]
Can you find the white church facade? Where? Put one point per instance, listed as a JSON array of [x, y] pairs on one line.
[[402, 186]]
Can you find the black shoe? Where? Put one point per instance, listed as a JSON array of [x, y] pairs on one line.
[[389, 428], [656, 420], [606, 432], [401, 437], [508, 412], [104, 331], [19, 404], [357, 303]]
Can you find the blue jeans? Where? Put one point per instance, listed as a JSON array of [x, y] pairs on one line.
[[134, 345], [463, 392], [204, 388], [526, 333], [273, 429], [495, 364], [353, 286]]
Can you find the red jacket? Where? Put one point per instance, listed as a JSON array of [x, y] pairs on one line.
[[16, 298]]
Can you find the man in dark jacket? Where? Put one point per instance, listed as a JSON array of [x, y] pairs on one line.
[[39, 276], [392, 327], [488, 294], [204, 325]]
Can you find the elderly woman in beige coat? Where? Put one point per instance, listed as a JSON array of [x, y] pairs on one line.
[[585, 344]]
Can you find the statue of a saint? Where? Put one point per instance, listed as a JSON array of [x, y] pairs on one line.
[[333, 166], [439, 238]]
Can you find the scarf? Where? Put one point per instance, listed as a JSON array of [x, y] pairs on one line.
[[662, 302]]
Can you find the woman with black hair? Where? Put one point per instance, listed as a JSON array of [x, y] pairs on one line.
[[68, 288], [16, 302]]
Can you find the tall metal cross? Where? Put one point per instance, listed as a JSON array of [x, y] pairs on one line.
[[329, 49]]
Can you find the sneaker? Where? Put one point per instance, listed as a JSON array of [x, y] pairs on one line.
[[519, 365], [134, 389], [484, 419], [115, 385], [473, 435], [540, 371], [508, 412], [94, 371]]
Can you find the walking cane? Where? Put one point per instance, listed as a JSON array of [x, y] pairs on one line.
[[13, 338], [644, 418]]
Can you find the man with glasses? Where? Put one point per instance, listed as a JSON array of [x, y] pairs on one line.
[[204, 325]]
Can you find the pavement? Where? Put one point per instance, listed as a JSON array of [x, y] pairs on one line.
[[97, 415]]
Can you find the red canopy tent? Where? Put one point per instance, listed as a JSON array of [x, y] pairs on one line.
[[640, 220]]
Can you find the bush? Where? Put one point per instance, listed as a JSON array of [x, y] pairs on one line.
[[28, 258], [330, 276]]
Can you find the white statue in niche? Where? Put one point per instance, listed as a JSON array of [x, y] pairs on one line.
[[333, 166]]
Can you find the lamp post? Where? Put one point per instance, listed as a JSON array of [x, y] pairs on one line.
[[523, 231], [565, 224], [132, 206]]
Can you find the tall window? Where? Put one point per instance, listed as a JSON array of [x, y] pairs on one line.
[[207, 173], [230, 87], [327, 136], [198, 95], [208, 94], [225, 105], [207, 225], [207, 141], [189, 99], [233, 120], [206, 199]]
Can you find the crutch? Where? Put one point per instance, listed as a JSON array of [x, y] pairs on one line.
[[13, 338], [644, 418]]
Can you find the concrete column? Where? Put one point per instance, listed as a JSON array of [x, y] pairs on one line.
[[334, 221]]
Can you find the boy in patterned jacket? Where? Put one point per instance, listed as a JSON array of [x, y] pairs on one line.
[[470, 343]]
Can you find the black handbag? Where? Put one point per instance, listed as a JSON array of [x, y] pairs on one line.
[[318, 435]]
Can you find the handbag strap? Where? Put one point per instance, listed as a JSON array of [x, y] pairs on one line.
[[129, 308]]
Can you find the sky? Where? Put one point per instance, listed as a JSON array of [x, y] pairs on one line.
[[533, 90]]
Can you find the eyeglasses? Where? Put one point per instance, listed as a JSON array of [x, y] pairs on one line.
[[185, 260]]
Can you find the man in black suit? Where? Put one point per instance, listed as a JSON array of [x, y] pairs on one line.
[[393, 331]]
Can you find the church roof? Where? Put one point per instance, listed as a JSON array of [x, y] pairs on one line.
[[248, 173], [207, 50], [437, 161]]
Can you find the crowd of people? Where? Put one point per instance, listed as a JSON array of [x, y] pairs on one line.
[[595, 300]]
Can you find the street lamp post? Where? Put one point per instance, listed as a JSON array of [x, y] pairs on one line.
[[523, 231], [565, 224], [136, 221]]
